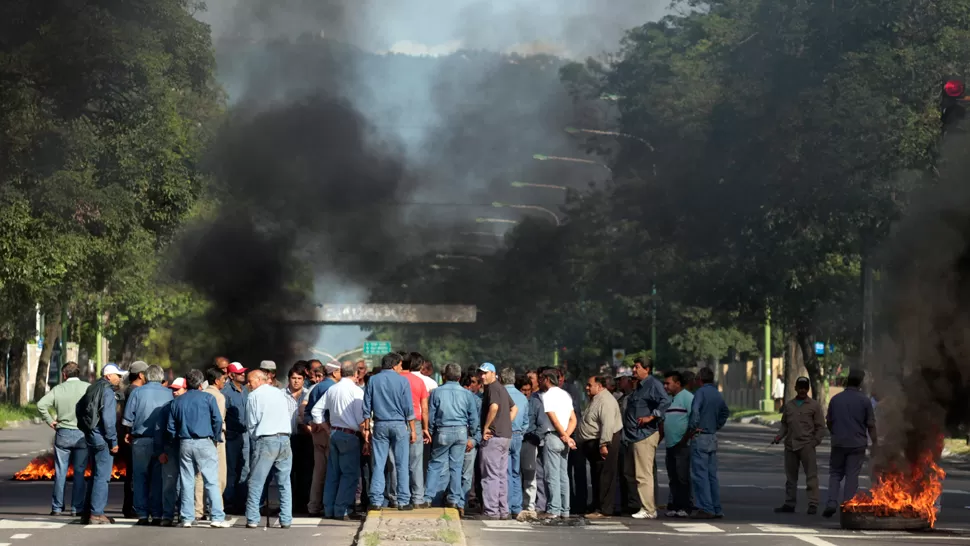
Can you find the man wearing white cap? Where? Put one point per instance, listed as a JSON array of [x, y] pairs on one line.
[[321, 438], [98, 420]]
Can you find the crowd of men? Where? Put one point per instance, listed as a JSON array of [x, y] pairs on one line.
[[337, 439]]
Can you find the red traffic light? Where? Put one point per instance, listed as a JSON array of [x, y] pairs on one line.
[[953, 88]]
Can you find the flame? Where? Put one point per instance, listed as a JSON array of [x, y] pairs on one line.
[[42, 468], [899, 494]]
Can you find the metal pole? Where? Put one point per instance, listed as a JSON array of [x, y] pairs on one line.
[[766, 403], [653, 323], [99, 342]]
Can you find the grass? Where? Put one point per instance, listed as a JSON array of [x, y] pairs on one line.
[[371, 539], [445, 517], [957, 446], [738, 413], [11, 412], [449, 536]]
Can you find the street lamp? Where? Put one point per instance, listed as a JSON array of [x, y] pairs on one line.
[[459, 257], [495, 221], [573, 131], [482, 234], [529, 207], [531, 185], [540, 157]]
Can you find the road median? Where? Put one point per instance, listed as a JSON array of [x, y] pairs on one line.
[[429, 526]]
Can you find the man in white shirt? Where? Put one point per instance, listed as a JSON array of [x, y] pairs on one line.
[[778, 393], [558, 407], [268, 421], [424, 370], [341, 410]]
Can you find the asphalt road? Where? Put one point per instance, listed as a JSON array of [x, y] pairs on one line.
[[752, 483]]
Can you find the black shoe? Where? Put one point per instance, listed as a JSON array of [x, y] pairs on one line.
[[374, 508], [56, 513], [286, 526], [392, 505], [406, 507], [785, 509], [829, 512], [423, 505], [812, 510], [142, 522]]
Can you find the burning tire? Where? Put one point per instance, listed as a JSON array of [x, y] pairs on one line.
[[868, 521]]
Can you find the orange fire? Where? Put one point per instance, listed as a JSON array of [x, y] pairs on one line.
[[42, 468], [897, 494]]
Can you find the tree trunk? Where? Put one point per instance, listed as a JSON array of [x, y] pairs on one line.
[[793, 363], [18, 373], [52, 330], [4, 355], [130, 340], [806, 342]]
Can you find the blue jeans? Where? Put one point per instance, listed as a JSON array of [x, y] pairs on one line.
[[343, 473], [703, 473], [69, 449], [101, 462], [388, 436], [515, 473], [170, 483], [271, 455], [468, 474], [555, 457], [237, 467], [146, 479], [447, 464], [416, 467], [199, 456]]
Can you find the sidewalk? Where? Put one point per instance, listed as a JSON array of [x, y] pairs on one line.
[[429, 526]]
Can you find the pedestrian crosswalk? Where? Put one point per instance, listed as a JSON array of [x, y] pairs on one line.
[[124, 523]]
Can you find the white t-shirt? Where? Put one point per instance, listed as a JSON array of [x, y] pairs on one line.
[[779, 390], [429, 383], [559, 403]]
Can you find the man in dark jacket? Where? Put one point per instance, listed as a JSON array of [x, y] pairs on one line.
[[98, 420]]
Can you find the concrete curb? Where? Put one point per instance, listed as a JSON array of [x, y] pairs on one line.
[[429, 526], [22, 423]]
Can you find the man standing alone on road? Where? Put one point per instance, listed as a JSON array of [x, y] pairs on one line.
[[142, 412], [802, 429], [678, 446], [96, 417], [599, 431], [269, 424], [708, 414], [70, 448], [498, 411], [645, 410], [195, 421], [852, 422], [387, 402]]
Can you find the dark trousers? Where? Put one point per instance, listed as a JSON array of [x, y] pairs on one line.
[[627, 502], [124, 453], [678, 470], [603, 473], [301, 474], [578, 490], [844, 462]]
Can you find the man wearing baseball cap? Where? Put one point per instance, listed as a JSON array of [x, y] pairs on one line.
[[802, 429], [98, 420], [498, 411], [237, 439]]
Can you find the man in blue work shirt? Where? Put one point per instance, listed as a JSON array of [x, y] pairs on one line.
[[645, 409], [533, 475], [195, 420], [167, 453], [852, 422], [708, 414], [325, 377], [471, 383], [97, 418], [519, 425], [387, 403], [142, 411], [453, 423], [237, 439]]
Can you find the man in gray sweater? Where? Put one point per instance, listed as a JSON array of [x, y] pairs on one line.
[[57, 407]]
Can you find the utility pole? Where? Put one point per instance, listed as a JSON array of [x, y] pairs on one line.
[[767, 404]]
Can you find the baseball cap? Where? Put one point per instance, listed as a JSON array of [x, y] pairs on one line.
[[138, 366], [332, 366], [487, 367], [177, 383], [236, 367], [802, 381], [624, 373], [113, 369], [267, 365]]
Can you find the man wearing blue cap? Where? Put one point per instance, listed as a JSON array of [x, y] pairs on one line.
[[498, 411]]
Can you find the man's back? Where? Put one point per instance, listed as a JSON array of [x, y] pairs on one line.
[[62, 400], [850, 417], [708, 410], [267, 412], [388, 397]]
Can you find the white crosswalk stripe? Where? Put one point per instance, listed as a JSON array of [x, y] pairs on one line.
[[787, 529], [693, 527], [20, 536], [31, 524]]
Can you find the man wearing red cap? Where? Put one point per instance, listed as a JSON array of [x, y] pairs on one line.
[[168, 450], [237, 439]]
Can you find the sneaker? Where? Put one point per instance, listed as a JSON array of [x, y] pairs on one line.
[[252, 525], [829, 512], [285, 526], [643, 514], [812, 510], [224, 524], [682, 514], [185, 524], [56, 513], [142, 522], [785, 509], [166, 523]]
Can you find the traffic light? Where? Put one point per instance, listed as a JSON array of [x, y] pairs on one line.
[[954, 103]]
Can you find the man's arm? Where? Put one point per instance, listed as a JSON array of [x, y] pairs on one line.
[[695, 410], [871, 422], [109, 418], [471, 416], [492, 413], [128, 419], [252, 416], [216, 419], [783, 431], [317, 409], [722, 414], [425, 430], [819, 426], [514, 410], [44, 407], [571, 427], [828, 417]]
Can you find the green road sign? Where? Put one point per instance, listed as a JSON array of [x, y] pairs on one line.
[[373, 348]]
